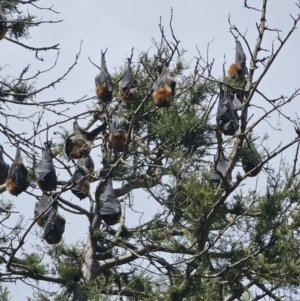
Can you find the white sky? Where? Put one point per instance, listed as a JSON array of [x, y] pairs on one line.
[[121, 25]]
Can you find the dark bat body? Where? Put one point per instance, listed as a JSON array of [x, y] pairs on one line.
[[104, 84], [16, 181], [110, 207], [250, 157], [54, 227], [227, 117], [40, 207], [44, 171], [3, 25], [118, 134], [79, 143], [163, 89], [128, 88], [81, 178], [4, 167], [238, 70], [221, 166]]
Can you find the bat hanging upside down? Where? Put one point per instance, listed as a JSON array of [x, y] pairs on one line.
[[128, 87], [227, 117], [104, 84], [79, 143], [110, 207], [44, 171], [118, 134], [16, 181], [82, 177], [40, 207], [163, 89], [54, 227], [238, 70]]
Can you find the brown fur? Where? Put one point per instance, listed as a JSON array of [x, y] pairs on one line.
[[77, 150], [12, 186], [118, 140], [235, 71], [85, 188], [101, 91], [163, 97], [126, 95]]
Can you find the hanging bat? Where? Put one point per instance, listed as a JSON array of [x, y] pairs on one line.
[[82, 177], [40, 207], [238, 70], [4, 167], [164, 88], [79, 143], [3, 25], [221, 166], [118, 134], [128, 88], [54, 227], [110, 207], [104, 84], [44, 171], [227, 117], [16, 181], [250, 157]]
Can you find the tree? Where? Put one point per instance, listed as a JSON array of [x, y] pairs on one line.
[[213, 237]]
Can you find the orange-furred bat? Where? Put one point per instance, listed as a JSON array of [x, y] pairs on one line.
[[238, 70], [40, 207], [3, 25], [250, 157], [163, 89], [4, 167], [104, 84], [118, 133], [82, 177], [44, 171], [79, 143], [227, 117], [128, 87], [110, 207], [16, 181], [221, 166], [54, 227]]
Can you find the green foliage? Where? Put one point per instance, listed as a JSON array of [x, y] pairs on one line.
[[32, 263]]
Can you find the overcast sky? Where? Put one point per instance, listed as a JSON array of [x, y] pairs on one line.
[[121, 25]]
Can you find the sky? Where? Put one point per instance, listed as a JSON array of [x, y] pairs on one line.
[[121, 25]]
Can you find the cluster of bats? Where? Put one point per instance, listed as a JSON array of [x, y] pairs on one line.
[[78, 146], [228, 121]]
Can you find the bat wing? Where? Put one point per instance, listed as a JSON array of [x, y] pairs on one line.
[[221, 166], [55, 226], [42, 169], [4, 167], [240, 56]]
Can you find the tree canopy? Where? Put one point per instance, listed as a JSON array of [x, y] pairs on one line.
[[157, 128]]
